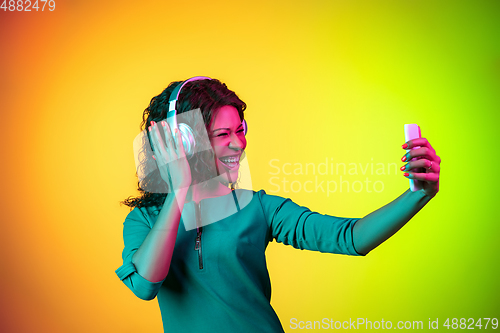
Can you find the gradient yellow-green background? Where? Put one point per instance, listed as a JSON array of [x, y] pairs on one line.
[[322, 79]]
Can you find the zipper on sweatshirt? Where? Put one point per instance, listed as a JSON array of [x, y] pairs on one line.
[[197, 244]]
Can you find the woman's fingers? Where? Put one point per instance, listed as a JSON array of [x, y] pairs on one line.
[[180, 144], [424, 152], [430, 166], [169, 155], [160, 150], [422, 164], [173, 148], [419, 142], [168, 135], [177, 143], [152, 139], [158, 140], [426, 177]]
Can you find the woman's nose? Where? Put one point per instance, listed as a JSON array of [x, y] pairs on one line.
[[236, 142]]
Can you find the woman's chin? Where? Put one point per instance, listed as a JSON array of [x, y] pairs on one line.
[[226, 172]]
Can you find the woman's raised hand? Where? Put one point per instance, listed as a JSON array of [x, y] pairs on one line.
[[170, 156], [428, 160]]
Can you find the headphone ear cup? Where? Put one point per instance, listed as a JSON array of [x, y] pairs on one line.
[[245, 127], [187, 136]]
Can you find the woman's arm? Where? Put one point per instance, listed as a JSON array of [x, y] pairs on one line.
[[152, 259], [376, 227], [372, 230]]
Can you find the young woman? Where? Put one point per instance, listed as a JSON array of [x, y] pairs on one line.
[[213, 278]]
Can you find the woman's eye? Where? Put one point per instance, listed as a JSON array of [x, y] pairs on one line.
[[226, 134]]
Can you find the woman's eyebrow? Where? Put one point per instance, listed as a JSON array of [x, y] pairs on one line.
[[227, 129], [220, 129]]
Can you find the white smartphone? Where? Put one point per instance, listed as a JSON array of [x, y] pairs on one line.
[[412, 131]]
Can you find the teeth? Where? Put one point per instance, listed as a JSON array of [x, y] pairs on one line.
[[230, 159]]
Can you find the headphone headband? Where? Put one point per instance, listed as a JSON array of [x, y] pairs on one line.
[[174, 96]]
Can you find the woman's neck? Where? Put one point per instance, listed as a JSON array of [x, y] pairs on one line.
[[213, 189]]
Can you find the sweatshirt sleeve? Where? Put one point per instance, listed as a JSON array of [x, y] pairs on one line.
[[297, 226], [135, 229]]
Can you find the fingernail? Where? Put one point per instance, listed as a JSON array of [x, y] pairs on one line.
[[406, 174], [176, 130], [402, 168], [405, 146], [149, 128], [404, 158], [163, 123]]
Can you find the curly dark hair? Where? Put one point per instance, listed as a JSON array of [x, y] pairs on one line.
[[207, 95]]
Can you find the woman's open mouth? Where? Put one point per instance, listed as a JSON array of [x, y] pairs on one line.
[[230, 162]]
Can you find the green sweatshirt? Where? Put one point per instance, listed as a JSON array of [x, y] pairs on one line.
[[218, 279]]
